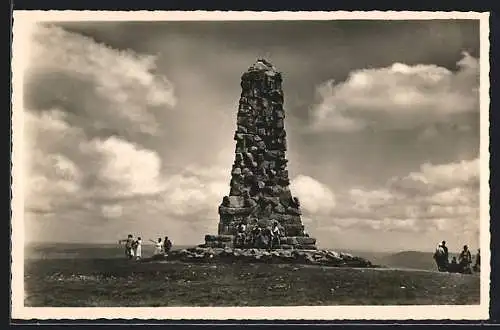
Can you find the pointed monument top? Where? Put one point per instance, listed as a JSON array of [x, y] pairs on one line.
[[263, 65]]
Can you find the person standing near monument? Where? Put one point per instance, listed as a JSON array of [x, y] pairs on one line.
[[167, 245], [260, 239], [275, 235], [129, 253], [138, 248], [441, 256], [453, 266], [240, 238], [465, 260], [445, 248], [254, 232], [158, 247]]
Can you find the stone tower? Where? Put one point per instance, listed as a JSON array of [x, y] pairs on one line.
[[259, 187]]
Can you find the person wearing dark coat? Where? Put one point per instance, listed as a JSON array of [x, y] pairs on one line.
[[465, 260], [167, 245]]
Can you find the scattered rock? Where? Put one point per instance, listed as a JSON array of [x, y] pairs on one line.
[[285, 256]]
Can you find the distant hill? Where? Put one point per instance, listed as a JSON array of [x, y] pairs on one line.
[[81, 250], [405, 259], [410, 260], [374, 257]]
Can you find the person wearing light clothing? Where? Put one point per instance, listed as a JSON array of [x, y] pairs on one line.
[[158, 247], [138, 248]]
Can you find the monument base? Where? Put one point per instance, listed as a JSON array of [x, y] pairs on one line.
[[285, 243]]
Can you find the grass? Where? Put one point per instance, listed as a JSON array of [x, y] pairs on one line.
[[119, 282]]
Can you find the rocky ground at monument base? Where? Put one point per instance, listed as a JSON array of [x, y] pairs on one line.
[[278, 256]]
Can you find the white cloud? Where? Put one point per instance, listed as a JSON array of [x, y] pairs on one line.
[[51, 176], [194, 192], [213, 172], [442, 197], [314, 197], [67, 169], [366, 199], [115, 166], [54, 182], [431, 178], [397, 97], [76, 87], [454, 196], [64, 167], [108, 89], [48, 131], [117, 89], [126, 168], [112, 211]]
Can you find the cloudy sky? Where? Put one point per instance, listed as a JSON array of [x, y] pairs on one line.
[[129, 127]]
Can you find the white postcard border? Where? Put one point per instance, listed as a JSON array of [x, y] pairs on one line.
[[21, 27]]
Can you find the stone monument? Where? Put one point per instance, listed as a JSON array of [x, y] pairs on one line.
[[259, 189]]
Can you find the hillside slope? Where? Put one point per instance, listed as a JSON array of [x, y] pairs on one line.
[[410, 260]]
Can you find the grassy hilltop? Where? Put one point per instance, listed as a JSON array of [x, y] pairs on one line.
[[81, 278]]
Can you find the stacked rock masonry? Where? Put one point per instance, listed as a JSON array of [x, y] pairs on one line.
[[259, 188]]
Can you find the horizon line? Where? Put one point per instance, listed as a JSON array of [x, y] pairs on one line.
[[194, 245]]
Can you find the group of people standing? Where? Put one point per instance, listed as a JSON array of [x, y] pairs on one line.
[[464, 263], [133, 247], [258, 237], [162, 247]]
